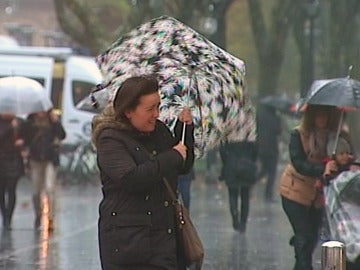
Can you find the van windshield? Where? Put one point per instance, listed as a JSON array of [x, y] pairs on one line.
[[80, 90], [102, 99]]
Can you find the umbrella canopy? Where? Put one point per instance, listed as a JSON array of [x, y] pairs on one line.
[[279, 102], [21, 95], [191, 71], [340, 92], [102, 99]]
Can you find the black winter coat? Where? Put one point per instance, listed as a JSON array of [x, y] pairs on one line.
[[239, 163], [137, 220], [11, 162], [43, 143], [268, 132]]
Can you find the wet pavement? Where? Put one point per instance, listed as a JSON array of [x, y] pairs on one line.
[[73, 244]]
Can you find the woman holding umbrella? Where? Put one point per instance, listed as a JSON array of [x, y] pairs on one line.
[[43, 133], [136, 152], [301, 200], [11, 165]]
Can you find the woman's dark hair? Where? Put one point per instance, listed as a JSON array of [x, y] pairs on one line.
[[128, 95], [307, 122]]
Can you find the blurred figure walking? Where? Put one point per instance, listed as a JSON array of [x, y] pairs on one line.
[[239, 173], [268, 130], [11, 165], [43, 133]]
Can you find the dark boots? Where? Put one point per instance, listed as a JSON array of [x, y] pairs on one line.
[[6, 219], [233, 203], [303, 253], [239, 222], [235, 220]]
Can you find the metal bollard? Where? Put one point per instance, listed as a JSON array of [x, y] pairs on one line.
[[333, 256]]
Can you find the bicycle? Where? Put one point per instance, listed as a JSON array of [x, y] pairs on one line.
[[78, 163]]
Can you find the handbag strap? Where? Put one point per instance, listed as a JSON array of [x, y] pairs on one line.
[[178, 206], [170, 190]]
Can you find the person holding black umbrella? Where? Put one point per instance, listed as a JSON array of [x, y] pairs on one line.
[[43, 133], [301, 200], [11, 165]]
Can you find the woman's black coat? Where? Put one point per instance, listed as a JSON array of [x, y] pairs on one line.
[[136, 224], [11, 162]]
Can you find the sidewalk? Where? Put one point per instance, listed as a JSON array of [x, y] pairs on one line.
[[73, 245]]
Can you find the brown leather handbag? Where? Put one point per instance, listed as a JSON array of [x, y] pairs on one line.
[[190, 240]]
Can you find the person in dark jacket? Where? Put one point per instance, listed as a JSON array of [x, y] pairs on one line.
[[239, 172], [301, 200], [43, 133], [136, 152], [268, 130], [239, 168], [11, 165]]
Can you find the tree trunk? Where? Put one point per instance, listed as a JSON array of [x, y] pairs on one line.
[[270, 42], [78, 21], [219, 13]]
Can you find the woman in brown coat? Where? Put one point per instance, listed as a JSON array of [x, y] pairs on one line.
[[301, 201], [135, 152]]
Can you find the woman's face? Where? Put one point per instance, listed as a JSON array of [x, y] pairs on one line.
[[321, 119], [144, 117]]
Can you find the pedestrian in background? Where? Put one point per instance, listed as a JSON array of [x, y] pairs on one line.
[[11, 165], [268, 132], [211, 161], [239, 169], [239, 173], [301, 201], [43, 133], [184, 187], [136, 152]]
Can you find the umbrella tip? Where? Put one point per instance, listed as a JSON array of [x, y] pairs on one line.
[[94, 102], [349, 71], [97, 88]]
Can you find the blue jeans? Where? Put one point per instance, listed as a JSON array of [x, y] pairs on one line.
[[184, 184]]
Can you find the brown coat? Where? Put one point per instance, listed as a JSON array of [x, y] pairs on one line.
[[136, 224], [300, 187]]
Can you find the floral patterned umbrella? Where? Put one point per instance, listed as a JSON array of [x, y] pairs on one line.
[[192, 72]]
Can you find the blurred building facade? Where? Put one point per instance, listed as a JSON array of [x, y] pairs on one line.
[[31, 23]]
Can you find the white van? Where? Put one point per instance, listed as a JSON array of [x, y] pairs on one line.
[[67, 79]]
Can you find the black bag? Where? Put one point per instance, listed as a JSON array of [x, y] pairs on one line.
[[242, 169], [12, 166]]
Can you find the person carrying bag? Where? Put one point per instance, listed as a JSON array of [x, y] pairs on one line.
[[239, 172]]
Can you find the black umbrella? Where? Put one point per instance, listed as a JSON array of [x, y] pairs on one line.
[[278, 102], [340, 92]]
